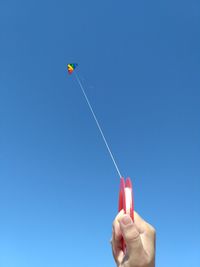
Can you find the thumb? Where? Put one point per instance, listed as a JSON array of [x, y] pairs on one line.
[[131, 236]]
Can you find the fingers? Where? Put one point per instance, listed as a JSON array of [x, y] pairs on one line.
[[131, 236], [139, 237], [130, 233], [117, 234]]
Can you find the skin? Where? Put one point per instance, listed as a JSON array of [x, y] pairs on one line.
[[139, 237]]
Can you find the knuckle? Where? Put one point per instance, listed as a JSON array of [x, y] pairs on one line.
[[113, 225], [114, 222], [153, 230], [150, 229]]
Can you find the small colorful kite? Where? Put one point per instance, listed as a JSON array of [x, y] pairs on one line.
[[71, 67]]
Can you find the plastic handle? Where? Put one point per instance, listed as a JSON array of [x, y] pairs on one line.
[[126, 201]]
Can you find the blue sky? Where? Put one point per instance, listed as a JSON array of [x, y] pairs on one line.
[[139, 62]]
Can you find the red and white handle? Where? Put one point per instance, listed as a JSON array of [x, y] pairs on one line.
[[126, 201]]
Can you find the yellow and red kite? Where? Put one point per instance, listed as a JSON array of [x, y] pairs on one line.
[[71, 67]]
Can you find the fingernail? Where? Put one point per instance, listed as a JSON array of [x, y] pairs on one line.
[[126, 220]]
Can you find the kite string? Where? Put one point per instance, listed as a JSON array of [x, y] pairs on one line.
[[97, 123]]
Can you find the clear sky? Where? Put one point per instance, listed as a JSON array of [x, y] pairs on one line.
[[139, 62]]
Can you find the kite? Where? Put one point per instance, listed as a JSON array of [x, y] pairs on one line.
[[126, 202], [71, 67]]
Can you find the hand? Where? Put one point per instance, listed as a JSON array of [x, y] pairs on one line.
[[139, 237]]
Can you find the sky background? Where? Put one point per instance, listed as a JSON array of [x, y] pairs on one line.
[[139, 62]]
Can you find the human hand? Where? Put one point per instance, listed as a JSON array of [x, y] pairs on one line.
[[139, 237]]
